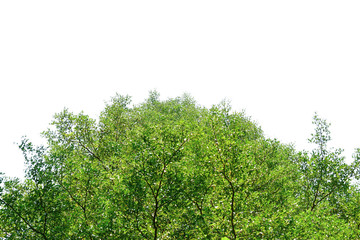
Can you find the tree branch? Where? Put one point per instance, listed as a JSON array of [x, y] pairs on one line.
[[24, 220]]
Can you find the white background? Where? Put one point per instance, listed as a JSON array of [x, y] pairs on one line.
[[279, 60]]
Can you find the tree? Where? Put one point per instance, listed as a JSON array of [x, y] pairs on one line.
[[175, 170]]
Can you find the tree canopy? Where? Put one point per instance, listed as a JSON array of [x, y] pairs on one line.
[[173, 169]]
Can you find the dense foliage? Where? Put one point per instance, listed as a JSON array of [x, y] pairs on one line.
[[175, 170]]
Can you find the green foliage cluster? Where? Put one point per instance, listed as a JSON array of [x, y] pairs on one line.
[[175, 170]]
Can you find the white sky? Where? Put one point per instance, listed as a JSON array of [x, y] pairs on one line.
[[279, 60]]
